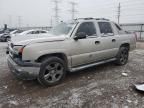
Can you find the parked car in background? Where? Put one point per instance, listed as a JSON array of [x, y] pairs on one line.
[[28, 34], [19, 35], [6, 35], [33, 32], [15, 32], [70, 47]]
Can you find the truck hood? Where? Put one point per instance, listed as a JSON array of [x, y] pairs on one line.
[[28, 39]]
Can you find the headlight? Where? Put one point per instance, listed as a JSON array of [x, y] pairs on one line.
[[18, 49]]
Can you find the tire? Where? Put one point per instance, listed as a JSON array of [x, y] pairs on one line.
[[7, 39], [122, 56], [3, 39], [52, 71]]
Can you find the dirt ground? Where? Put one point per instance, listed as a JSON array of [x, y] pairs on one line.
[[103, 86]]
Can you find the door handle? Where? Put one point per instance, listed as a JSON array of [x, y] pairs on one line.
[[97, 42], [113, 40]]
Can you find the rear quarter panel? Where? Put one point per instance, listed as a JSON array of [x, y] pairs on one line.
[[127, 38]]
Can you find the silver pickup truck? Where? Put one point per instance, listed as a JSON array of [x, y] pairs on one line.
[[69, 47]]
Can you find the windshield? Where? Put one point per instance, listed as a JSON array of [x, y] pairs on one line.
[[62, 28]]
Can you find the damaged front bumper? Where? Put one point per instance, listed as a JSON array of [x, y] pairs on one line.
[[23, 70]]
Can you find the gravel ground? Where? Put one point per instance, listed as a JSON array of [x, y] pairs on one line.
[[104, 86]]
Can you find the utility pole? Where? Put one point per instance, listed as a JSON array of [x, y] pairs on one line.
[[73, 10], [119, 13], [51, 22], [56, 2]]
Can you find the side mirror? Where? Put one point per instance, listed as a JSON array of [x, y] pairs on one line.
[[80, 35]]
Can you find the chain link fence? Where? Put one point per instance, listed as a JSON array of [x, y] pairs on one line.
[[137, 28]]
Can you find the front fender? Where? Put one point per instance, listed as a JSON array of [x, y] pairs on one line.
[[34, 54]]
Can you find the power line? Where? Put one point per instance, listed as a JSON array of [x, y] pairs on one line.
[[134, 15], [133, 3], [56, 2], [73, 10], [126, 1], [132, 7]]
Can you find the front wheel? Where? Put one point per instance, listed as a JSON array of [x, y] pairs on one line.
[[122, 57], [52, 71]]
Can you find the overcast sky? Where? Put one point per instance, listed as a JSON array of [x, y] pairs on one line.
[[40, 12]]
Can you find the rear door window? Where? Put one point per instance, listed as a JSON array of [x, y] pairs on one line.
[[105, 28]]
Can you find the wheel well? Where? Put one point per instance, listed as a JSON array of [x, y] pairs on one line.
[[59, 55], [126, 45]]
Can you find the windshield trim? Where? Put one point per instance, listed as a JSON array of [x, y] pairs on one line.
[[73, 29]]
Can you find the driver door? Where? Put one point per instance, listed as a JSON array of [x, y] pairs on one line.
[[82, 49]]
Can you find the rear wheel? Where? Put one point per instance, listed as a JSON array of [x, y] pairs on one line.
[[52, 71], [122, 57]]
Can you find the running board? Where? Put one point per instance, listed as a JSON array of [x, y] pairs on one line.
[[91, 65]]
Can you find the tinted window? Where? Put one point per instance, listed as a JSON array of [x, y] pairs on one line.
[[34, 32], [105, 27], [19, 31], [42, 31], [88, 28]]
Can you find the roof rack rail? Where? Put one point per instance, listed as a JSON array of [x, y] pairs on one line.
[[90, 18], [102, 19], [84, 18]]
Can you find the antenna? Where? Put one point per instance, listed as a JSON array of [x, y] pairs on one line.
[[73, 10]]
